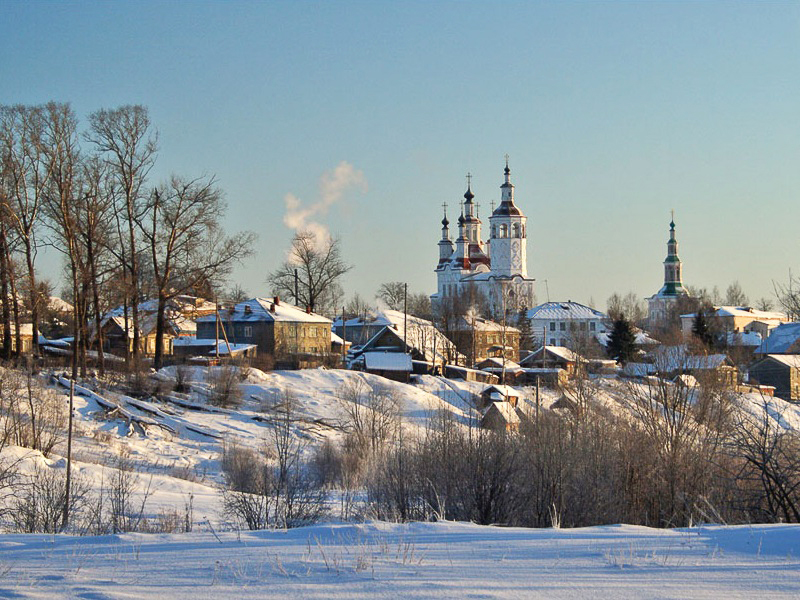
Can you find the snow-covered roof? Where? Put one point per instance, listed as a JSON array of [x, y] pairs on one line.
[[504, 390], [563, 352], [748, 311], [495, 361], [335, 339], [56, 304], [790, 360], [387, 361], [744, 311], [782, 340], [673, 358], [266, 309], [557, 351], [559, 311], [638, 369], [505, 409], [751, 339], [192, 341], [481, 324], [422, 336], [224, 348], [640, 338]]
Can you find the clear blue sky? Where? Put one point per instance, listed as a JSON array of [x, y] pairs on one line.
[[613, 113]]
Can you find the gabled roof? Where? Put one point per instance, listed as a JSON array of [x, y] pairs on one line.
[[559, 311], [494, 365], [790, 360], [782, 340], [504, 390], [504, 410], [480, 324], [422, 336], [557, 352], [265, 309]]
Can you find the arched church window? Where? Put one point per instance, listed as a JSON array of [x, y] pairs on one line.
[[516, 230], [503, 230]]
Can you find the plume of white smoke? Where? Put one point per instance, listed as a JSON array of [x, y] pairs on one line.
[[332, 186]]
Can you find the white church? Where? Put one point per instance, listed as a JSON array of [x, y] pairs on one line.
[[496, 268]]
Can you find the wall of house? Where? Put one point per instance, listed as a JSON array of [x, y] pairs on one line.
[[302, 338], [785, 379], [564, 332]]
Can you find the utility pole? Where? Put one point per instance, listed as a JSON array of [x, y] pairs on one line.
[[296, 289], [405, 317], [344, 341]]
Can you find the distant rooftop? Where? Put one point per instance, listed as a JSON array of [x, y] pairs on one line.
[[556, 311]]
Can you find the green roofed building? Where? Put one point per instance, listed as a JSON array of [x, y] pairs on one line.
[[660, 304]]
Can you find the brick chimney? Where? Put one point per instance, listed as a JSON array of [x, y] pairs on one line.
[[308, 309], [277, 300]]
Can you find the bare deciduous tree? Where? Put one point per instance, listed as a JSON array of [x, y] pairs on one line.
[[180, 225], [320, 267], [393, 294], [27, 175], [735, 296], [126, 141]]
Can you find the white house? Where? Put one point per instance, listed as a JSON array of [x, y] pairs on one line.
[[561, 323]]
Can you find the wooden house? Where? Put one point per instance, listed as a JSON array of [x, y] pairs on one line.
[[782, 371], [500, 393], [294, 337], [500, 417]]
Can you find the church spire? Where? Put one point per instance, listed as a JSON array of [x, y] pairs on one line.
[[673, 276], [445, 244]]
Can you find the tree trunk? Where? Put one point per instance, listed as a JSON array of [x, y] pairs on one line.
[[34, 297], [160, 318], [5, 275]]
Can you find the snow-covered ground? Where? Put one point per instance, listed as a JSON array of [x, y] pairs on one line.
[[176, 445], [417, 560]]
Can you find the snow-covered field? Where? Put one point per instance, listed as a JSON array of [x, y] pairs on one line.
[[417, 560]]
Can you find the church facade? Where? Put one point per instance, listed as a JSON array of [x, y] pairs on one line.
[[497, 268], [660, 304]]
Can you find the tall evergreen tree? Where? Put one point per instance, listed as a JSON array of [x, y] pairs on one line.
[[622, 341], [525, 332], [700, 328]]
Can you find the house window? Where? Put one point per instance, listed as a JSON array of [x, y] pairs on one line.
[[591, 326], [552, 341], [583, 326], [552, 325], [562, 326], [248, 331]]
